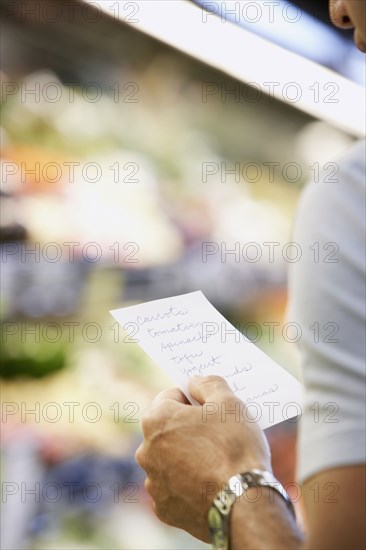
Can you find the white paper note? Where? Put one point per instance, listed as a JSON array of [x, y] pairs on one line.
[[185, 335]]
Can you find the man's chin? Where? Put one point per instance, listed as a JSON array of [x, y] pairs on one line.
[[360, 42]]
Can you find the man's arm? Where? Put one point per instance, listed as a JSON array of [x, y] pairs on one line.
[[267, 524], [335, 505]]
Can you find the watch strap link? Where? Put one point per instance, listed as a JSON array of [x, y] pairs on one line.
[[219, 518], [260, 478]]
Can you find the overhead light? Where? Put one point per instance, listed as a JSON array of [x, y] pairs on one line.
[[247, 57]]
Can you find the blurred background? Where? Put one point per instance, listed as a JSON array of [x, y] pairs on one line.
[[121, 159]]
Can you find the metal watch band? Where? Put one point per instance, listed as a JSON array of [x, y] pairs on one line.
[[219, 512], [262, 478]]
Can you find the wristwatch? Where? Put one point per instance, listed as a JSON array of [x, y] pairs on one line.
[[236, 487]]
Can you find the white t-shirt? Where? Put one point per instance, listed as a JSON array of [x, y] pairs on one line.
[[328, 301]]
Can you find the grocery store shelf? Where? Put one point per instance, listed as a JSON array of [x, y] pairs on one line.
[[249, 58]]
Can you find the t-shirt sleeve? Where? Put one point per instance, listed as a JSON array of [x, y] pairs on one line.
[[327, 300]]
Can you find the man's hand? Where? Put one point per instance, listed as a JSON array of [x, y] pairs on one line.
[[189, 451]]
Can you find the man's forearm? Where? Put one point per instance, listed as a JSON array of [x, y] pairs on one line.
[[262, 520]]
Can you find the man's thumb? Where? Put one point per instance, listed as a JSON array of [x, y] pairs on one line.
[[209, 388]]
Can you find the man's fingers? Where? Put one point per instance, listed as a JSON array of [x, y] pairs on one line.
[[139, 455], [209, 388], [175, 394], [164, 406]]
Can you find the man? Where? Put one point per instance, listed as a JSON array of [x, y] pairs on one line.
[[186, 458]]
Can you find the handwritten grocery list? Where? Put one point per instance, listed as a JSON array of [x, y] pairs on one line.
[[185, 335]]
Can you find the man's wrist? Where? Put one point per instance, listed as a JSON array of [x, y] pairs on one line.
[[263, 520], [250, 486]]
